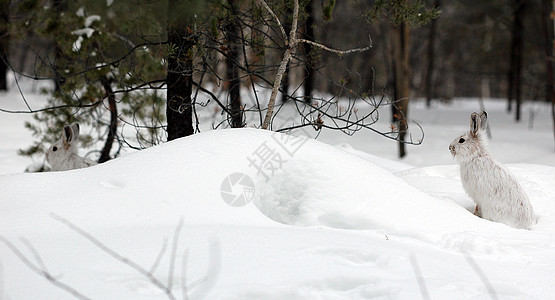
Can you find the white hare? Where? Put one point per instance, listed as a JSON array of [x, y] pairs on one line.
[[63, 156], [498, 195]]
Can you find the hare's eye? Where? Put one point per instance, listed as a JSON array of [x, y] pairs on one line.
[[461, 141], [54, 148]]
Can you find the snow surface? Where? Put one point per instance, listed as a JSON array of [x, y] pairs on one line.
[[324, 221]]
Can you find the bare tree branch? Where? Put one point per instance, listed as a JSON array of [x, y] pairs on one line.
[[340, 52], [184, 260], [289, 51], [159, 257], [36, 255], [115, 255], [419, 278], [277, 19], [481, 274], [42, 272], [283, 65], [174, 250]]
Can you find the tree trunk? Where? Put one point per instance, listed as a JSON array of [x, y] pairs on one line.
[[548, 42], [179, 110], [401, 69], [309, 56], [285, 86], [232, 70], [548, 12], [429, 89], [60, 6], [515, 72], [292, 39], [4, 44], [285, 82], [518, 80], [105, 153]]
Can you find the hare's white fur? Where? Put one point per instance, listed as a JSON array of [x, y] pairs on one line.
[[63, 156], [498, 195]]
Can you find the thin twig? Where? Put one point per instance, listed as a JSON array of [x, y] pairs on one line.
[[214, 97], [184, 260], [42, 272], [115, 255], [340, 52], [281, 28], [419, 278], [481, 274], [159, 257], [174, 250], [35, 254]]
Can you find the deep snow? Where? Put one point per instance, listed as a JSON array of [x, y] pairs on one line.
[[333, 218], [346, 228]]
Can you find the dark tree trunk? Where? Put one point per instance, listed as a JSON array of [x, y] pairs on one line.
[[548, 42], [4, 44], [105, 153], [285, 79], [518, 75], [179, 110], [232, 71], [515, 72], [401, 69], [309, 56], [285, 86], [60, 6], [429, 89], [549, 45], [386, 38]]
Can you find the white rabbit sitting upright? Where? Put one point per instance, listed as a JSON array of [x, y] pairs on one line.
[[63, 156], [498, 195]]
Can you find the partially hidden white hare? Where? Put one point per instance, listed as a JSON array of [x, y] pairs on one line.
[[63, 156], [498, 195]]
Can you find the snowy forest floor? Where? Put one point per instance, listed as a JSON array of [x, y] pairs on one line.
[[339, 218]]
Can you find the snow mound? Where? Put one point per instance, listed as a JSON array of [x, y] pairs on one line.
[[322, 223], [325, 186], [298, 181]]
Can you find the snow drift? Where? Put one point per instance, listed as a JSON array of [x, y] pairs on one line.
[[322, 223]]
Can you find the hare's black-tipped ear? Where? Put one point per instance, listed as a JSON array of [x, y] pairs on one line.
[[75, 129], [68, 135], [483, 120], [474, 124]]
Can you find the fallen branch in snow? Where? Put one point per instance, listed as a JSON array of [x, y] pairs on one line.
[[159, 257], [184, 259], [166, 289], [40, 269], [172, 256], [201, 286], [481, 274], [419, 278]]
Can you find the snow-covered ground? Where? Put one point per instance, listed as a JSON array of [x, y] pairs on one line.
[[251, 214]]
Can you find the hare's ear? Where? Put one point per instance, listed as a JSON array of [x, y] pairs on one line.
[[75, 129], [68, 135], [474, 124], [483, 120]]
